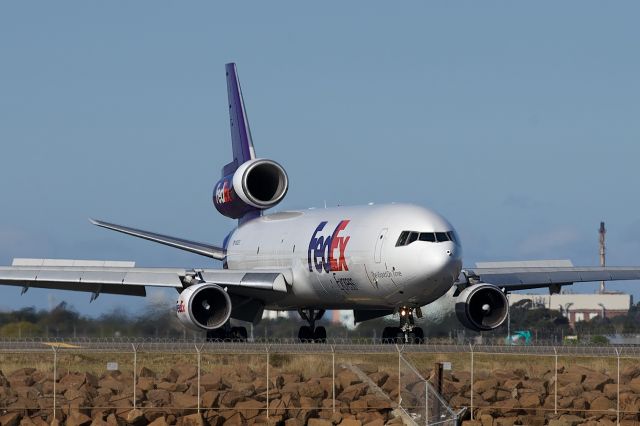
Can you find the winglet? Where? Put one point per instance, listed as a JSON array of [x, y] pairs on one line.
[[241, 142]]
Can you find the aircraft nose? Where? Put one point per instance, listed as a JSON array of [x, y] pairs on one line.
[[450, 262]]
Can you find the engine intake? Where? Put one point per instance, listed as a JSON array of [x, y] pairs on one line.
[[256, 185], [204, 306], [482, 307]]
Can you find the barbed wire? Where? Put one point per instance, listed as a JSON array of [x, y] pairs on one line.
[[293, 346]]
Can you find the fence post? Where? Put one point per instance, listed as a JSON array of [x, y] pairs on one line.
[[135, 372], [333, 376], [198, 352], [426, 402], [471, 404], [268, 380], [399, 381], [55, 377], [618, 390], [555, 383]]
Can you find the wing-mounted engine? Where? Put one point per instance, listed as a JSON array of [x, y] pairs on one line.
[[481, 307], [204, 306], [256, 185]]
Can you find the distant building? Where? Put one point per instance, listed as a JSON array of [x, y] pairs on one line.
[[343, 317], [275, 314], [579, 307]]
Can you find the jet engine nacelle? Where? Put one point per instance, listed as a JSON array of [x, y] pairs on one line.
[[482, 307], [204, 306], [256, 185]]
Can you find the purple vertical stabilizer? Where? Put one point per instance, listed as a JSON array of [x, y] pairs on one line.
[[240, 133]]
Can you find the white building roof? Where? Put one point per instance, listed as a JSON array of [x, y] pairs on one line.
[[615, 302]]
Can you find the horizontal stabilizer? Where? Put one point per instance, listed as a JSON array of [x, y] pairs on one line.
[[179, 243]]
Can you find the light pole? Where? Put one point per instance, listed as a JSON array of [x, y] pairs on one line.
[[508, 319], [603, 310]]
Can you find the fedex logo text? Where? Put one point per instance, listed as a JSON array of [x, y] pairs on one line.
[[223, 192], [327, 252]]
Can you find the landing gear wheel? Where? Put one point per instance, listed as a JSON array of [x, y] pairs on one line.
[[216, 335], [238, 334], [392, 335], [305, 334], [311, 333], [418, 336], [407, 332], [320, 335]]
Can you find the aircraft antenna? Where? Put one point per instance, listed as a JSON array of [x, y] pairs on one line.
[[602, 233]]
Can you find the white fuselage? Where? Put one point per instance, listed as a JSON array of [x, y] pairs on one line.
[[348, 258]]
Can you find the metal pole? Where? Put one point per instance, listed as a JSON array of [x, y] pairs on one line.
[[555, 383], [399, 381], [55, 377], [618, 390], [508, 319], [135, 372], [333, 376], [426, 402], [198, 352], [268, 361], [471, 347]]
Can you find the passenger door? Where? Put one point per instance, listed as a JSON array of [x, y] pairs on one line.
[[377, 256]]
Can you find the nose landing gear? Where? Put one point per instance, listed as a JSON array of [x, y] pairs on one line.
[[407, 332], [311, 333]]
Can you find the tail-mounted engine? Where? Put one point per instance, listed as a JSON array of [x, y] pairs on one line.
[[256, 185], [204, 306], [482, 307]]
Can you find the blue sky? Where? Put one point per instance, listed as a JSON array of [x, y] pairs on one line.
[[517, 121]]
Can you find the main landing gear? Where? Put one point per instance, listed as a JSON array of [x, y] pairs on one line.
[[311, 333], [407, 332], [226, 333]]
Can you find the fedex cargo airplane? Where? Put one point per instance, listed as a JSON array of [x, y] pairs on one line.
[[376, 260]]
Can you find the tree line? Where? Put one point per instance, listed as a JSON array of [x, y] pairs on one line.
[[160, 321]]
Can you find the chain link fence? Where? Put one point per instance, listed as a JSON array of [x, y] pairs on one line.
[[141, 380], [274, 381]]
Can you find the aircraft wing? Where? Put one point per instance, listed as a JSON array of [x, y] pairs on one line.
[[540, 274], [180, 243], [124, 278]]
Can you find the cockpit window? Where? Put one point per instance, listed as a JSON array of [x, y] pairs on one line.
[[428, 236], [412, 237], [407, 237], [402, 240], [442, 237]]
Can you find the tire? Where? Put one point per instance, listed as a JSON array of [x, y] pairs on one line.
[[397, 335], [388, 336], [305, 334], [216, 335], [418, 334], [239, 334], [320, 335]]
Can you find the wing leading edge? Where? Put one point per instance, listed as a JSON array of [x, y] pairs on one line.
[[179, 243], [99, 277], [513, 278]]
